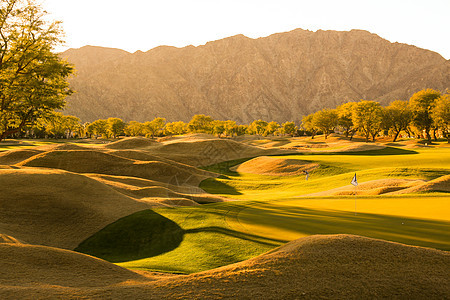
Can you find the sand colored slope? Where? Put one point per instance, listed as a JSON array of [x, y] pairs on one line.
[[91, 161], [372, 187], [15, 156], [337, 267], [132, 143], [155, 190], [390, 187], [7, 239], [65, 146], [37, 266], [59, 208], [266, 165], [441, 184], [208, 152]]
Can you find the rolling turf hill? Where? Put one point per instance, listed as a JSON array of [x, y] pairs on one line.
[[103, 220]]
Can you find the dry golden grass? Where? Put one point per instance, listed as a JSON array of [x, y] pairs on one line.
[[441, 184], [59, 208], [203, 152], [132, 143], [266, 165], [16, 156], [98, 162], [7, 239], [389, 187], [336, 266]]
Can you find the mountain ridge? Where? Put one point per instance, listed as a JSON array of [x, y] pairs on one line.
[[280, 77]]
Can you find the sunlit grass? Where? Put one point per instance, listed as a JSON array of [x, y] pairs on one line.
[[274, 210]]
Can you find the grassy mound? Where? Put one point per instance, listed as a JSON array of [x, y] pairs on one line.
[[132, 143], [91, 161], [13, 157], [331, 267], [441, 184], [40, 267], [58, 208], [140, 235], [372, 187], [266, 165], [207, 152], [316, 267]]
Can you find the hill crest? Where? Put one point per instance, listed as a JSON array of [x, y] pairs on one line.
[[280, 77]]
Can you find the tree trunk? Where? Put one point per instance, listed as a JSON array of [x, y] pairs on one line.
[[434, 134], [396, 135], [428, 136]]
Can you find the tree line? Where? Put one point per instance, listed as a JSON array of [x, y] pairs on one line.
[[34, 83], [426, 113]]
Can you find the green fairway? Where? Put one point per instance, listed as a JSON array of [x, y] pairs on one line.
[[272, 211]]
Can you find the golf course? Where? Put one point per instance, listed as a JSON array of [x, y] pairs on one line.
[[231, 217], [237, 215]]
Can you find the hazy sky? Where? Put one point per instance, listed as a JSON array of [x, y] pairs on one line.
[[144, 24]]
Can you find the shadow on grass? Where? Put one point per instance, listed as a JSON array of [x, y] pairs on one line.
[[379, 152], [411, 231], [214, 186], [240, 235], [147, 234], [140, 235]]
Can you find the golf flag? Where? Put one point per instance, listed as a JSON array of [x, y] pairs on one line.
[[307, 174], [354, 181]]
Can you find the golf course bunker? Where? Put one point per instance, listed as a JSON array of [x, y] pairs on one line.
[[276, 166]]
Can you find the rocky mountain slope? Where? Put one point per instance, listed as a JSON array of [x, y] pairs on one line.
[[280, 77]]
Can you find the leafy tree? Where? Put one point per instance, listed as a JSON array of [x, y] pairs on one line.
[[134, 128], [345, 120], [115, 127], [241, 129], [33, 79], [258, 127], [308, 125], [154, 127], [218, 127], [272, 127], [99, 128], [441, 115], [289, 128], [422, 104], [176, 128], [230, 128], [367, 117], [325, 120], [201, 123], [60, 126], [397, 117]]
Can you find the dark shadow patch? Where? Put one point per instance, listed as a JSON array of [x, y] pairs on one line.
[[379, 152], [140, 235], [214, 186]]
